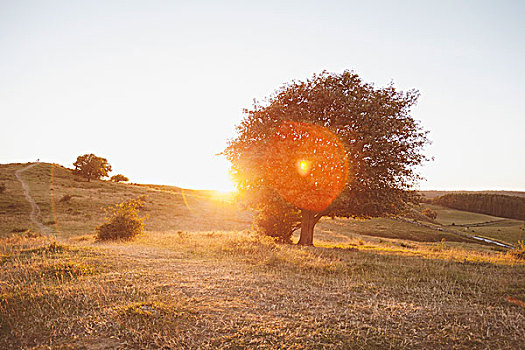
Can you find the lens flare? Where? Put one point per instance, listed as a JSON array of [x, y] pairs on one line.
[[303, 167], [307, 165]]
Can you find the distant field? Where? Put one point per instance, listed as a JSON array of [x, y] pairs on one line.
[[510, 231], [199, 277], [434, 194], [447, 216], [505, 230], [386, 228]]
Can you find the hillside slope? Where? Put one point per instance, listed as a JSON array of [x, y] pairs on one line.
[[69, 205], [216, 285]]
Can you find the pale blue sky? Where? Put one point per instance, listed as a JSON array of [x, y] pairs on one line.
[[157, 87]]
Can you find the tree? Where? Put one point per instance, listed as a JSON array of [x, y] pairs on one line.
[[330, 145], [431, 214], [118, 178], [505, 206], [92, 167]]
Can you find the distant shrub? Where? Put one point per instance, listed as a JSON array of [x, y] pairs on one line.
[[118, 178], [406, 245], [122, 220], [183, 235], [31, 234], [2, 188], [431, 214], [66, 198], [424, 199], [519, 251]]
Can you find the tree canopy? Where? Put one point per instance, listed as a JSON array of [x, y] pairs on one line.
[[92, 167], [330, 145], [119, 178], [504, 206]]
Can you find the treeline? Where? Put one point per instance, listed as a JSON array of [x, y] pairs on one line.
[[491, 204]]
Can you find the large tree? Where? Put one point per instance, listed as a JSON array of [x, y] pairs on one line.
[[330, 145], [92, 167]]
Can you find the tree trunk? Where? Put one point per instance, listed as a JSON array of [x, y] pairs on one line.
[[308, 221]]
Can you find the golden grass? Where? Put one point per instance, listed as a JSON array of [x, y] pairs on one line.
[[199, 278], [234, 290]]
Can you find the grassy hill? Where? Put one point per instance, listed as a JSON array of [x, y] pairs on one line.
[[200, 278], [70, 206]]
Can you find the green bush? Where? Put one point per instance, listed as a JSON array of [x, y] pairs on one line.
[[277, 220], [122, 221]]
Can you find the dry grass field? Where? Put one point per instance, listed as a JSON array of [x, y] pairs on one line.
[[506, 230], [200, 278]]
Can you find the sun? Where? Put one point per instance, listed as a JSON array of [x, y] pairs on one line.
[[303, 167], [221, 196]]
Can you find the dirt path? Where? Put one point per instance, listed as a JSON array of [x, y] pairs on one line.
[[35, 209]]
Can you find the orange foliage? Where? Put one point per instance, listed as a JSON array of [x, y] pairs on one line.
[[307, 165]]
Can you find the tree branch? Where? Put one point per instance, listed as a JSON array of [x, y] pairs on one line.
[[319, 215]]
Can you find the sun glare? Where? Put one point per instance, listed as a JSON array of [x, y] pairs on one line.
[[311, 173], [224, 196], [303, 167]]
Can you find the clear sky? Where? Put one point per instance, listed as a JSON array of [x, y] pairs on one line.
[[157, 87]]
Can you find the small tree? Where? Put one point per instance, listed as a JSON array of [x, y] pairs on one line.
[[122, 220], [429, 213], [92, 167], [277, 219], [118, 178]]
